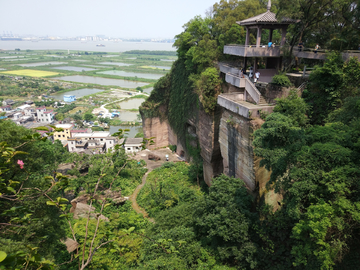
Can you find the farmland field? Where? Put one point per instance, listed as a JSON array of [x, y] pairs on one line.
[[30, 72]]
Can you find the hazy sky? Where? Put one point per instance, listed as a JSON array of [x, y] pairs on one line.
[[116, 18]]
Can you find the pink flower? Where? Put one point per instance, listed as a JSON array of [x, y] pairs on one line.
[[21, 163]]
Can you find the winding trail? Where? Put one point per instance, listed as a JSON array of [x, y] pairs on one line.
[[150, 165]]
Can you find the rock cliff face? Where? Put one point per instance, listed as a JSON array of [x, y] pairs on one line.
[[208, 134], [236, 147], [161, 130]]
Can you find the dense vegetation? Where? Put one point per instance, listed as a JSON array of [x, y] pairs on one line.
[[310, 143]]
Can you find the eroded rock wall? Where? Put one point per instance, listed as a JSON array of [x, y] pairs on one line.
[[161, 130], [208, 135], [236, 147]]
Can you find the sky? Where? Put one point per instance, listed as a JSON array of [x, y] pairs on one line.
[[115, 18]]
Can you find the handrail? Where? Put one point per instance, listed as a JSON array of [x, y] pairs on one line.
[[252, 90]]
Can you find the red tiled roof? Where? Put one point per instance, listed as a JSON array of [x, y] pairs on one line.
[[49, 111], [40, 108]]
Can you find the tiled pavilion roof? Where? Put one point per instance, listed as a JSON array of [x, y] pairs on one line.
[[265, 18]]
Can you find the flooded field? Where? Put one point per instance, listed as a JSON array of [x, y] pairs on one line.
[[133, 103], [161, 67], [148, 90], [78, 93], [41, 64], [131, 134], [115, 64], [102, 81], [71, 68], [132, 74]]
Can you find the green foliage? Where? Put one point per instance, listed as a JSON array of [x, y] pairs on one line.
[[66, 108], [294, 107], [182, 100], [315, 168], [88, 117], [324, 92], [173, 147], [167, 187], [208, 87], [223, 221], [281, 79]]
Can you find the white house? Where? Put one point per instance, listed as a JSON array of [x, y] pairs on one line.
[[133, 145], [45, 116]]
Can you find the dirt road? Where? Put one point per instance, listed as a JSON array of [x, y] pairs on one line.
[[151, 165]]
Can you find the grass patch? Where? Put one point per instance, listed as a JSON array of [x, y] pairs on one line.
[[30, 73]]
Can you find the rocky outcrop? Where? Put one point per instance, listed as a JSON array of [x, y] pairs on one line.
[[160, 130], [82, 210]]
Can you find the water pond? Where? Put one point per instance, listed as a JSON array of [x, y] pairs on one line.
[[131, 134], [167, 60], [148, 90], [56, 56], [101, 81], [132, 74], [4, 57], [41, 64], [111, 55], [161, 67], [133, 103], [71, 68], [78, 93], [115, 64], [95, 66], [127, 116]]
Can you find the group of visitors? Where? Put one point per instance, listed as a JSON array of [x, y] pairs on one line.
[[301, 46], [251, 74]]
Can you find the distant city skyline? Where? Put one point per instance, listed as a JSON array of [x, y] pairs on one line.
[[157, 19]]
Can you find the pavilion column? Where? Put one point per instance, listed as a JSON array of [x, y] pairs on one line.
[[271, 35], [283, 36], [258, 39], [247, 36]]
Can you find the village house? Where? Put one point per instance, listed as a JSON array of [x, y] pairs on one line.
[[133, 145], [8, 102], [64, 135], [45, 116], [6, 108]]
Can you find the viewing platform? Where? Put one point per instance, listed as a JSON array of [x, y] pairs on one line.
[[235, 103], [277, 51], [253, 50]]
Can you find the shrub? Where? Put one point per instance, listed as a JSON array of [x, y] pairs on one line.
[[281, 79]]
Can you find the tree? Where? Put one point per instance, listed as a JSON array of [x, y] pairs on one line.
[[88, 117], [59, 116], [294, 107], [223, 220], [208, 87]]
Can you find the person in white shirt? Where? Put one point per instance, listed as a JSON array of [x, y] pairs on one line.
[[257, 75]]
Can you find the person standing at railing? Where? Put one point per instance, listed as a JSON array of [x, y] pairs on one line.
[[270, 44], [241, 73], [316, 48], [251, 72], [300, 45]]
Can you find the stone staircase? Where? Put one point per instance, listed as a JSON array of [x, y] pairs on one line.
[[263, 102]]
